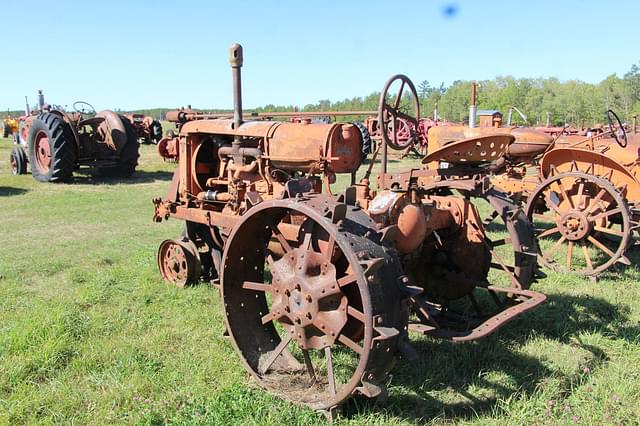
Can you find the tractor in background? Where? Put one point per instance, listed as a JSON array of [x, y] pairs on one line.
[[54, 143]]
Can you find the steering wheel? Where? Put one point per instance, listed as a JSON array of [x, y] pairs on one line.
[[613, 129], [391, 120], [83, 108]]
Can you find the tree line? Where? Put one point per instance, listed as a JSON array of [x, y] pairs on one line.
[[571, 102]]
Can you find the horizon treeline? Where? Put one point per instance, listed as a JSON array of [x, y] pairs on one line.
[[571, 102]]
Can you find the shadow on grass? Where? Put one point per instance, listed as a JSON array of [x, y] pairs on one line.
[[8, 191], [140, 176], [454, 368]]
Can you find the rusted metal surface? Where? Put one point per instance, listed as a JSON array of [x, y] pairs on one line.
[[148, 129], [318, 288], [56, 142]]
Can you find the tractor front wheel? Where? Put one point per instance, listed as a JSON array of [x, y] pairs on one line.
[[18, 161]]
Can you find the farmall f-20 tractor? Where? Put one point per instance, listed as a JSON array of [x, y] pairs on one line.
[[319, 290], [54, 143]]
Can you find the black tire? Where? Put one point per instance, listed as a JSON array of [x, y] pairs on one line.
[[156, 131], [61, 144], [128, 156], [6, 131], [18, 161], [367, 146]]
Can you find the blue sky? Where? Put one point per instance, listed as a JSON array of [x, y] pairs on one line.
[[142, 54]]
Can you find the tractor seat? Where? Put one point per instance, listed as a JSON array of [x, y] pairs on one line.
[[472, 151]]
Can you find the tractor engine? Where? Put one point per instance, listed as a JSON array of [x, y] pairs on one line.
[[436, 236]]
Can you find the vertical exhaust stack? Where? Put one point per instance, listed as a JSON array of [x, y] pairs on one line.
[[27, 110], [40, 100], [235, 58], [473, 109]]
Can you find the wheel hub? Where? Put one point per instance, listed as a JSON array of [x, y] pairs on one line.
[[575, 225], [43, 152], [307, 299]]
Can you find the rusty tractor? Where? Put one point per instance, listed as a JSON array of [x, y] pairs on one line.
[[580, 191], [54, 143], [584, 197], [148, 129], [318, 289]]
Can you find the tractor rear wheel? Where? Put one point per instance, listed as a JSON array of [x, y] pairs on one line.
[[6, 131], [52, 150], [367, 146], [18, 161], [128, 156]]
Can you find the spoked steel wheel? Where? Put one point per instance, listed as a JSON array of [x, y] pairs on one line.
[[311, 302], [582, 223]]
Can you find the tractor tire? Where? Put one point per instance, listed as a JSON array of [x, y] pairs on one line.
[[128, 156], [18, 161], [367, 146], [156, 132], [52, 149], [6, 131]]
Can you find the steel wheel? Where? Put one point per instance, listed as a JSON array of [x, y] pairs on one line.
[[582, 223], [178, 262], [42, 152], [304, 290]]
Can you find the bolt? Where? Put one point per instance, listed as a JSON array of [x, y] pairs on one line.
[[309, 315], [309, 299]]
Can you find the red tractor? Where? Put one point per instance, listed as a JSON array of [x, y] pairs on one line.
[[55, 142]]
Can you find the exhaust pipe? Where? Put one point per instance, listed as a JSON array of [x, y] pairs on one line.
[[235, 58], [40, 100], [473, 109]]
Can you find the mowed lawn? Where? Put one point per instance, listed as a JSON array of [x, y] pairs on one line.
[[89, 334]]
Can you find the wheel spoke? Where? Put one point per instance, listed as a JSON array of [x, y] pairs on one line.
[[250, 285], [601, 246], [556, 246], [330, 373], [579, 195], [596, 200], [330, 247], [585, 251], [609, 231], [546, 217], [276, 352], [309, 365], [548, 232], [281, 239], [606, 214], [355, 314], [350, 344], [396, 104], [348, 279], [565, 193]]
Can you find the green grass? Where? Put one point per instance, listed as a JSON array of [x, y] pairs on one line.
[[89, 334]]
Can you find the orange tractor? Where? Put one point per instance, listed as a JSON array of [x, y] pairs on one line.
[[320, 290], [582, 193]]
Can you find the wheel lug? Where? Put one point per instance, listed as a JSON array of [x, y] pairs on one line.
[[309, 299], [309, 315]]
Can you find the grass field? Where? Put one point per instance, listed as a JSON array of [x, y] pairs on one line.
[[89, 334]]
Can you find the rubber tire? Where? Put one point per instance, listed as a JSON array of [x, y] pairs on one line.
[[6, 131], [367, 146], [156, 132], [128, 156], [61, 144], [21, 160]]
